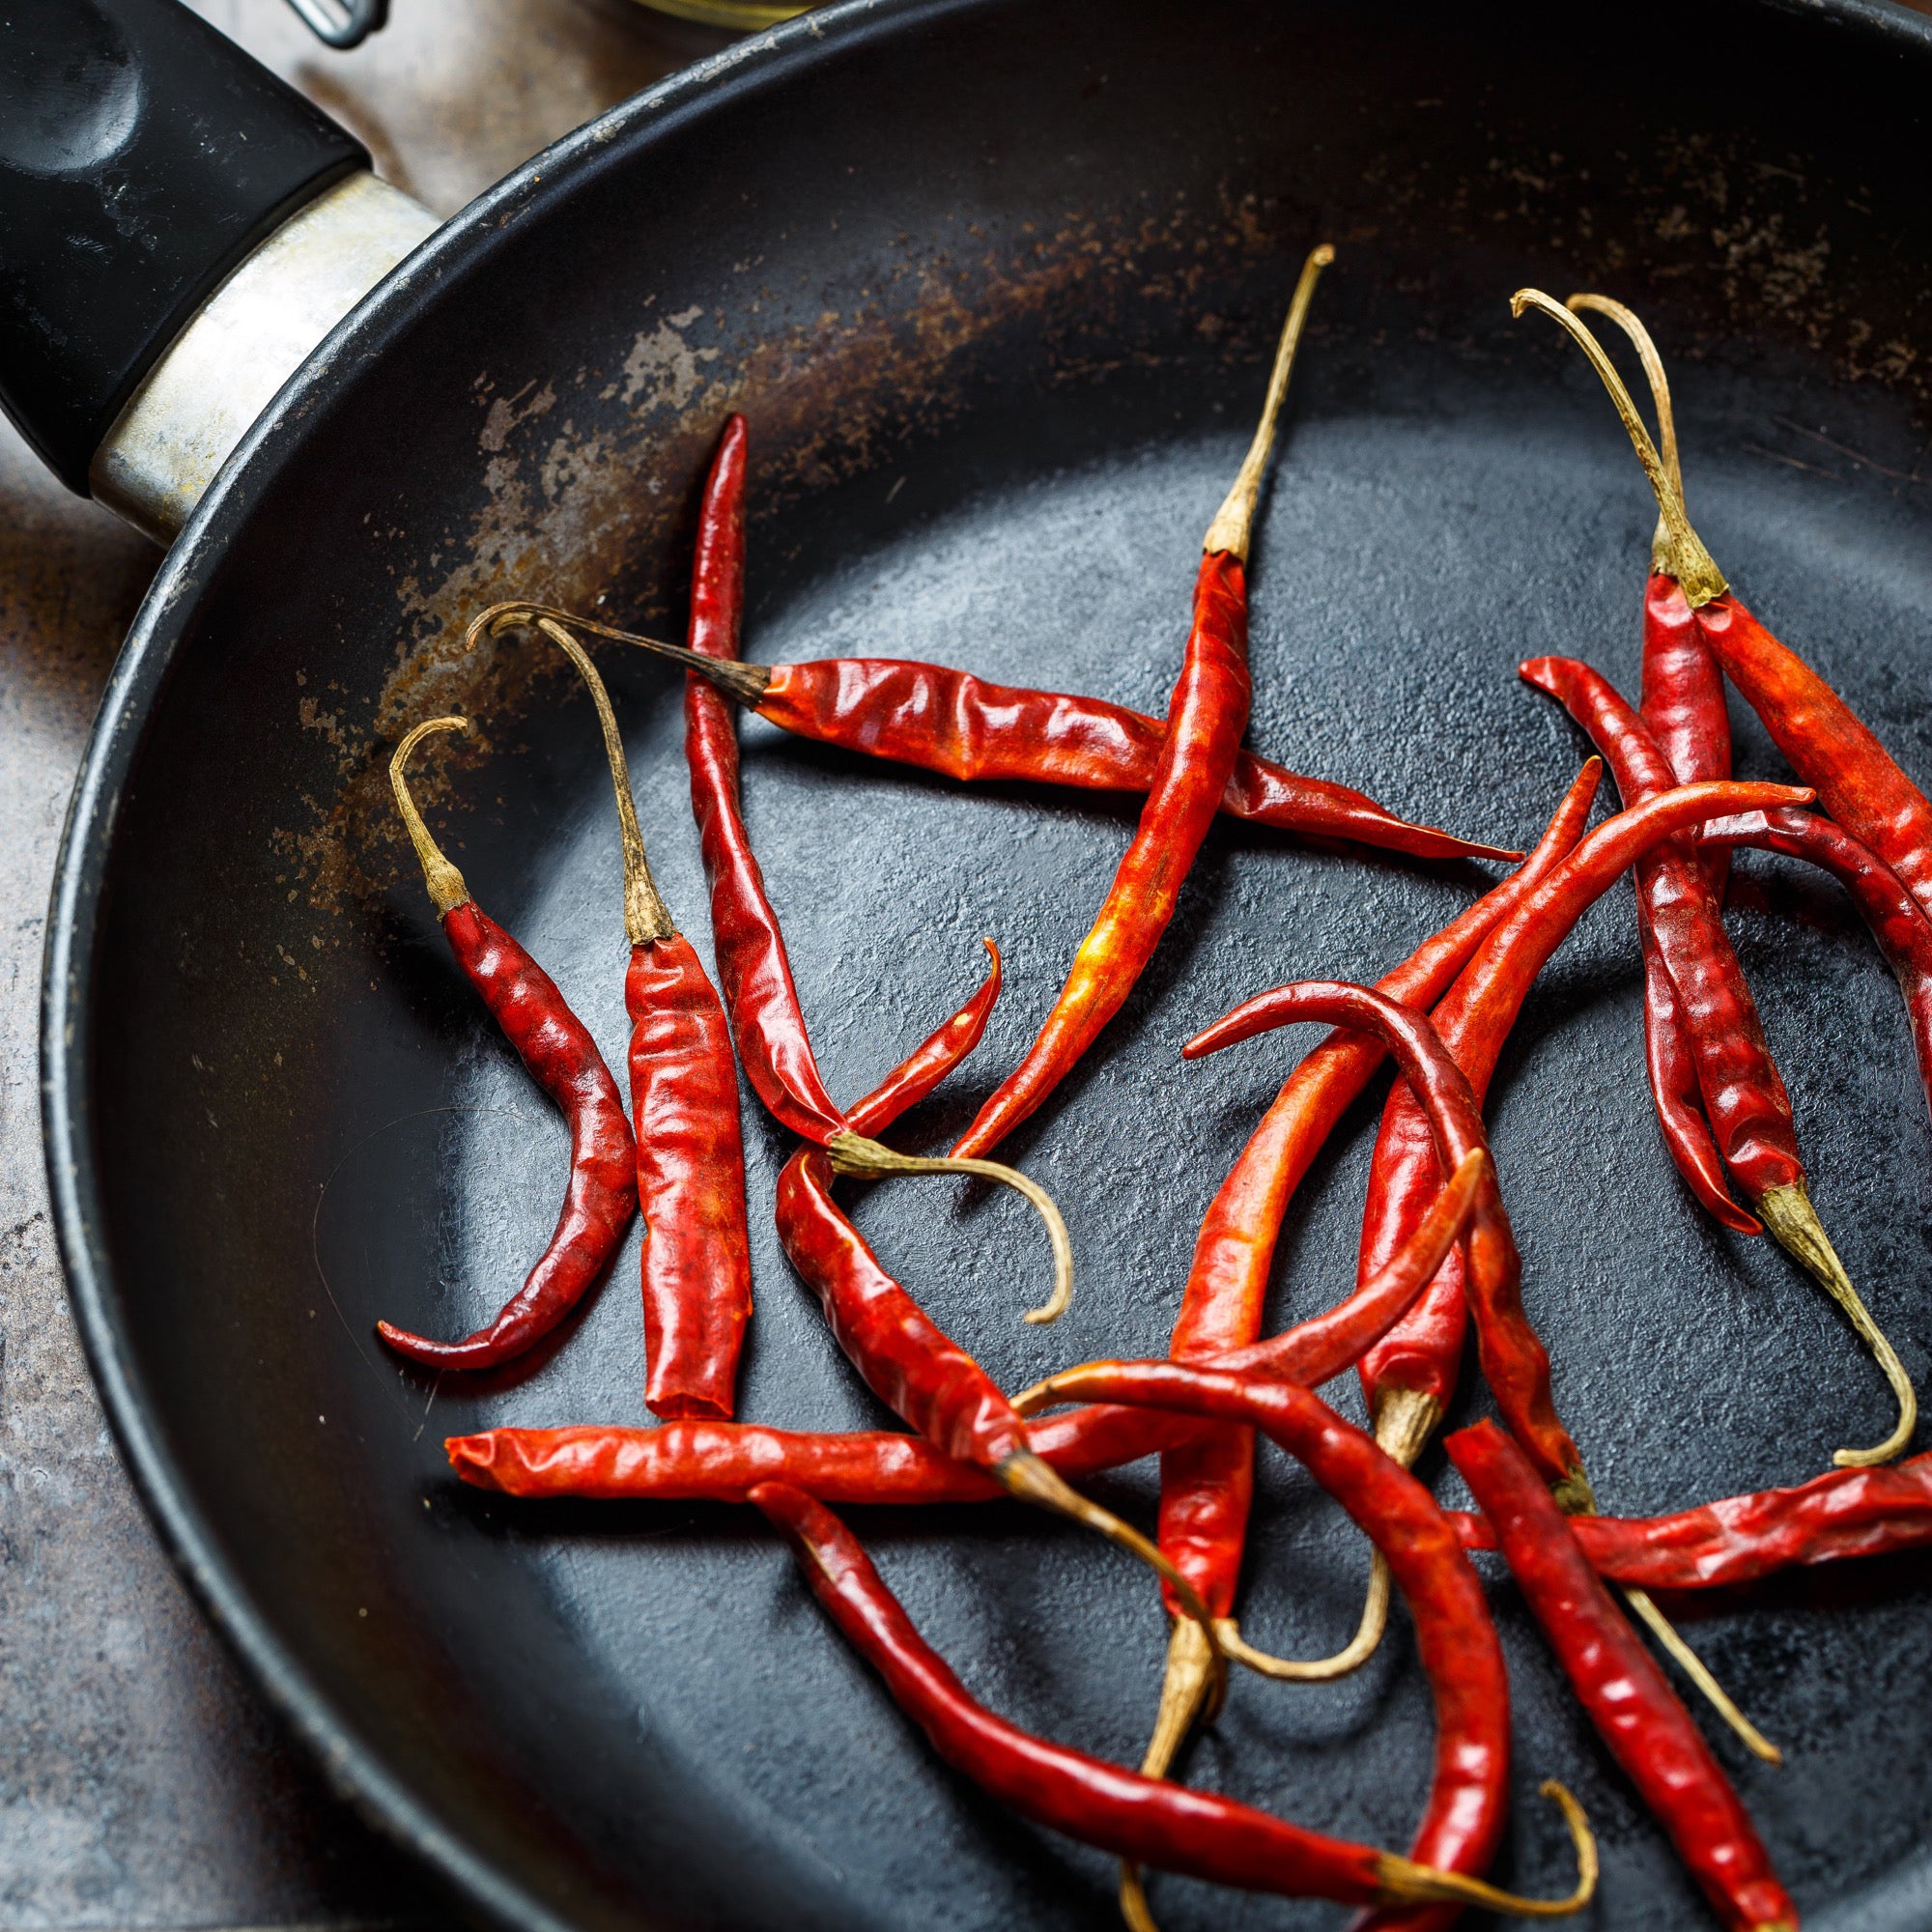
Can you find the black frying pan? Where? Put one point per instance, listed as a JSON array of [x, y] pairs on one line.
[[995, 284]]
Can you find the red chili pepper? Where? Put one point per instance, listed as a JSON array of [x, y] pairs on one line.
[[1842, 1514], [1861, 785], [1206, 1485], [1637, 1713], [1166, 1825], [1743, 1097], [963, 727], [721, 1462], [1454, 1637], [563, 1060], [1897, 921], [684, 1107], [1474, 1020], [1207, 715]]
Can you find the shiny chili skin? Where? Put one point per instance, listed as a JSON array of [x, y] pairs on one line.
[[1683, 703], [1745, 1101], [1739, 1539], [1515, 1361], [929, 1062], [1637, 1713], [690, 1179], [1825, 743], [721, 1462], [1897, 921], [1455, 1638], [1087, 1797], [752, 964], [1474, 1019], [964, 727], [601, 1194], [1206, 1487], [1207, 715]]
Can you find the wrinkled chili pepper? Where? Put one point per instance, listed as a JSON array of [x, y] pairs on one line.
[[1206, 1485], [963, 727], [684, 1107], [1636, 1711], [760, 996], [1420, 1356], [1474, 1021], [719, 1462], [1844, 1513], [1829, 748], [1897, 921], [1207, 715], [1744, 1098], [1455, 1640], [563, 1060]]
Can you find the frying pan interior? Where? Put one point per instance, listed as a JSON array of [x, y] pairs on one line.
[[996, 284]]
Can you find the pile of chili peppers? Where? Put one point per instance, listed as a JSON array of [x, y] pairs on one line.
[[1438, 1263]]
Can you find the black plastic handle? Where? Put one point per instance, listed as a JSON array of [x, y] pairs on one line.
[[142, 156]]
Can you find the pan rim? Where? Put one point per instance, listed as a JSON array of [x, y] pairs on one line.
[[353, 1766]]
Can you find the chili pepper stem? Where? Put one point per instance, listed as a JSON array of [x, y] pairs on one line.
[[1234, 521], [1184, 1690], [1660, 396], [1687, 561], [857, 1155], [446, 889], [746, 683], [1699, 1671], [1025, 1475], [1789, 1215], [1407, 1883]]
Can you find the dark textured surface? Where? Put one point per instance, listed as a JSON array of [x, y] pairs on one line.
[[995, 394]]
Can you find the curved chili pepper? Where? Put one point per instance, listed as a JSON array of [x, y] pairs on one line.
[[1463, 1822], [961, 726], [1744, 1098], [1474, 1019], [684, 1106], [1207, 715], [720, 1462], [1897, 921], [563, 1060], [1637, 1713], [1845, 1513], [1206, 1485]]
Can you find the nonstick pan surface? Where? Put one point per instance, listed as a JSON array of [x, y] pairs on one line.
[[995, 285]]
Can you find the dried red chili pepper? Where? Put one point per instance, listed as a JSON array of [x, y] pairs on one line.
[[749, 943], [1474, 1019], [1207, 715], [563, 1060], [1206, 1485], [720, 1462], [684, 1106], [1744, 1098], [963, 727], [1637, 1713], [1737, 1540], [1897, 921], [1455, 1640], [1188, 1832]]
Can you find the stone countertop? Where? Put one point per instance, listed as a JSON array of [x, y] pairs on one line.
[[143, 1783]]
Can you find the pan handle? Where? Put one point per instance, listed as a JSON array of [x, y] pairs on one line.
[[149, 170]]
